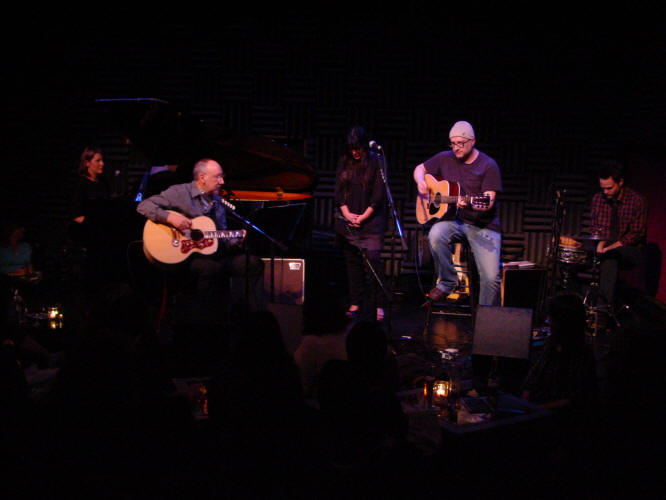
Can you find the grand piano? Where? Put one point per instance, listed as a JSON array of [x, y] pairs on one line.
[[269, 182]]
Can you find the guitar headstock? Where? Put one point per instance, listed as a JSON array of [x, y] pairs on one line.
[[481, 202]]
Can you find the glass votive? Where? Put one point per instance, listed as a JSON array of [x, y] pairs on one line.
[[440, 389], [440, 392], [52, 312]]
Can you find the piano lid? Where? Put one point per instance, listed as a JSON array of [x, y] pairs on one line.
[[168, 136], [279, 195]]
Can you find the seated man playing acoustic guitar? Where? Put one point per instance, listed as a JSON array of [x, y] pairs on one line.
[[473, 178], [178, 205]]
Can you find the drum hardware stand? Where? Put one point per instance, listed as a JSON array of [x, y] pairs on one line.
[[592, 297], [551, 255], [567, 275]]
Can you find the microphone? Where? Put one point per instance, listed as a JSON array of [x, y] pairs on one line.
[[374, 145], [218, 199], [227, 204]]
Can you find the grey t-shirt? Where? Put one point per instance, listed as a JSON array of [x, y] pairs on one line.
[[475, 178]]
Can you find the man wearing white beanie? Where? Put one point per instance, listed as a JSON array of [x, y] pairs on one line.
[[476, 174]]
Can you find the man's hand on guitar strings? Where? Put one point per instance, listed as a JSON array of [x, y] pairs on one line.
[[179, 221]]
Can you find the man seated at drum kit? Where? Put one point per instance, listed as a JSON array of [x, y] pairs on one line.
[[619, 220], [616, 241]]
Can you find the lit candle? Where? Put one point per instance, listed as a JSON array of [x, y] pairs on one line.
[[441, 388]]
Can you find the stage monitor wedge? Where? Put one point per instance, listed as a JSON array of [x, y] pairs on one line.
[[502, 332]]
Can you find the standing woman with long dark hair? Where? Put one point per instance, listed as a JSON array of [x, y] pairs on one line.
[[360, 225], [90, 186]]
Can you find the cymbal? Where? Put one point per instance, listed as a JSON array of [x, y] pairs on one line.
[[590, 237], [267, 196]]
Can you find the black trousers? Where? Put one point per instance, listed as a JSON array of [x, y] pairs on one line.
[[622, 258], [364, 280], [212, 275]]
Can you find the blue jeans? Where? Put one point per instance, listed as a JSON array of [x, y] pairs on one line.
[[486, 246]]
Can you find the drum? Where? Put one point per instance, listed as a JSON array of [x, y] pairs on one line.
[[569, 254]]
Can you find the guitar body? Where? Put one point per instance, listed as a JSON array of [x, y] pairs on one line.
[[166, 245], [440, 200]]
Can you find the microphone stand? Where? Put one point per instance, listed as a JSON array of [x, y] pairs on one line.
[[231, 211], [364, 255], [396, 227]]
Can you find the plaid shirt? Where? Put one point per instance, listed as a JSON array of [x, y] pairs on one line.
[[632, 212]]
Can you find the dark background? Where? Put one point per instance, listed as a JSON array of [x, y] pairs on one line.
[[551, 93]]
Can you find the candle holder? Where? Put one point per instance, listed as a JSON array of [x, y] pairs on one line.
[[55, 317], [440, 391], [427, 396]]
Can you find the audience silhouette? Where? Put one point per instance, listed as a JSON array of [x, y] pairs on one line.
[[324, 422]]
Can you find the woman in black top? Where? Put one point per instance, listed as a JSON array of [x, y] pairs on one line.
[[91, 186], [91, 183], [360, 223]]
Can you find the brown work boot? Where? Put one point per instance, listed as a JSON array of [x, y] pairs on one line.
[[436, 295]]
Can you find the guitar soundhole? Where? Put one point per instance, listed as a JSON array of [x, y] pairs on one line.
[[196, 235], [435, 203]]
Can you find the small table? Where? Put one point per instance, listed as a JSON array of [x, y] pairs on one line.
[[509, 410]]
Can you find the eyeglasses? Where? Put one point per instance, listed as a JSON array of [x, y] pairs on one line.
[[458, 144]]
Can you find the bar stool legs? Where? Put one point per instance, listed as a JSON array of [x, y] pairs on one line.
[[456, 307]]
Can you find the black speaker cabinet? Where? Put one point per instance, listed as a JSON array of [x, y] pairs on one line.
[[284, 280], [522, 287], [502, 331]]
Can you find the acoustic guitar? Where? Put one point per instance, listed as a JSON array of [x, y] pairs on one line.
[[441, 199], [167, 245]]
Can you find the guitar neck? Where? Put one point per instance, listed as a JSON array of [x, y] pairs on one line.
[[225, 234], [454, 199]]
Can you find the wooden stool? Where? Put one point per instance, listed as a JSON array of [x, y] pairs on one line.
[[465, 306]]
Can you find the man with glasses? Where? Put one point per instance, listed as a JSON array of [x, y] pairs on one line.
[[176, 207], [477, 174]]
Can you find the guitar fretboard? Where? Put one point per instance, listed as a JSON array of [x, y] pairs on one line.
[[454, 199], [225, 233]]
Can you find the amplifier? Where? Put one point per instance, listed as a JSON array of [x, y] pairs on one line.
[[522, 287], [502, 331], [288, 280]]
